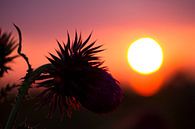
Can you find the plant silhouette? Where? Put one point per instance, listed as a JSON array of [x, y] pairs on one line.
[[73, 78]]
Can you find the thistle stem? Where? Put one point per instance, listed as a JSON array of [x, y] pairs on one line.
[[20, 48], [22, 92]]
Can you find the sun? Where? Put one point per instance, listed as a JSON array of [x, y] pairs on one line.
[[145, 56]]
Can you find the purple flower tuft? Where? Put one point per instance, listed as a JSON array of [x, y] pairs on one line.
[[101, 93]]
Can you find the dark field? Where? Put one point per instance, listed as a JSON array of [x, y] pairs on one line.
[[172, 108]]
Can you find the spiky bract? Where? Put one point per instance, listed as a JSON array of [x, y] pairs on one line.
[[7, 46], [77, 77]]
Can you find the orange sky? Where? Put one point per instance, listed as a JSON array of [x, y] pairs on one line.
[[115, 24]]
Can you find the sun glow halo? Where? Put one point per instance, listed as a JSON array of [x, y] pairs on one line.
[[145, 55]]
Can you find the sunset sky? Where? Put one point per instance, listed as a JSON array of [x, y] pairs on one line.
[[115, 24]]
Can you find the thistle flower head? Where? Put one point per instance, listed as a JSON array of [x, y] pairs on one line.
[[7, 46], [76, 77]]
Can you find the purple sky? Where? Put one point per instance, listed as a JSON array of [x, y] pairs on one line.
[[90, 14], [115, 23]]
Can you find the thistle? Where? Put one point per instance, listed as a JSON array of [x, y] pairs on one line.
[[7, 46], [76, 77]]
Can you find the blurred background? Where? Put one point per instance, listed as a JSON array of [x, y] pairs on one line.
[[173, 107], [162, 100]]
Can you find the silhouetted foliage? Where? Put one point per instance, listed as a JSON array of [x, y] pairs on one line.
[[24, 125], [7, 46], [75, 77], [5, 90], [179, 95]]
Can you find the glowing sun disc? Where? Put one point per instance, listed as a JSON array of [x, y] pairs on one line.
[[145, 55]]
